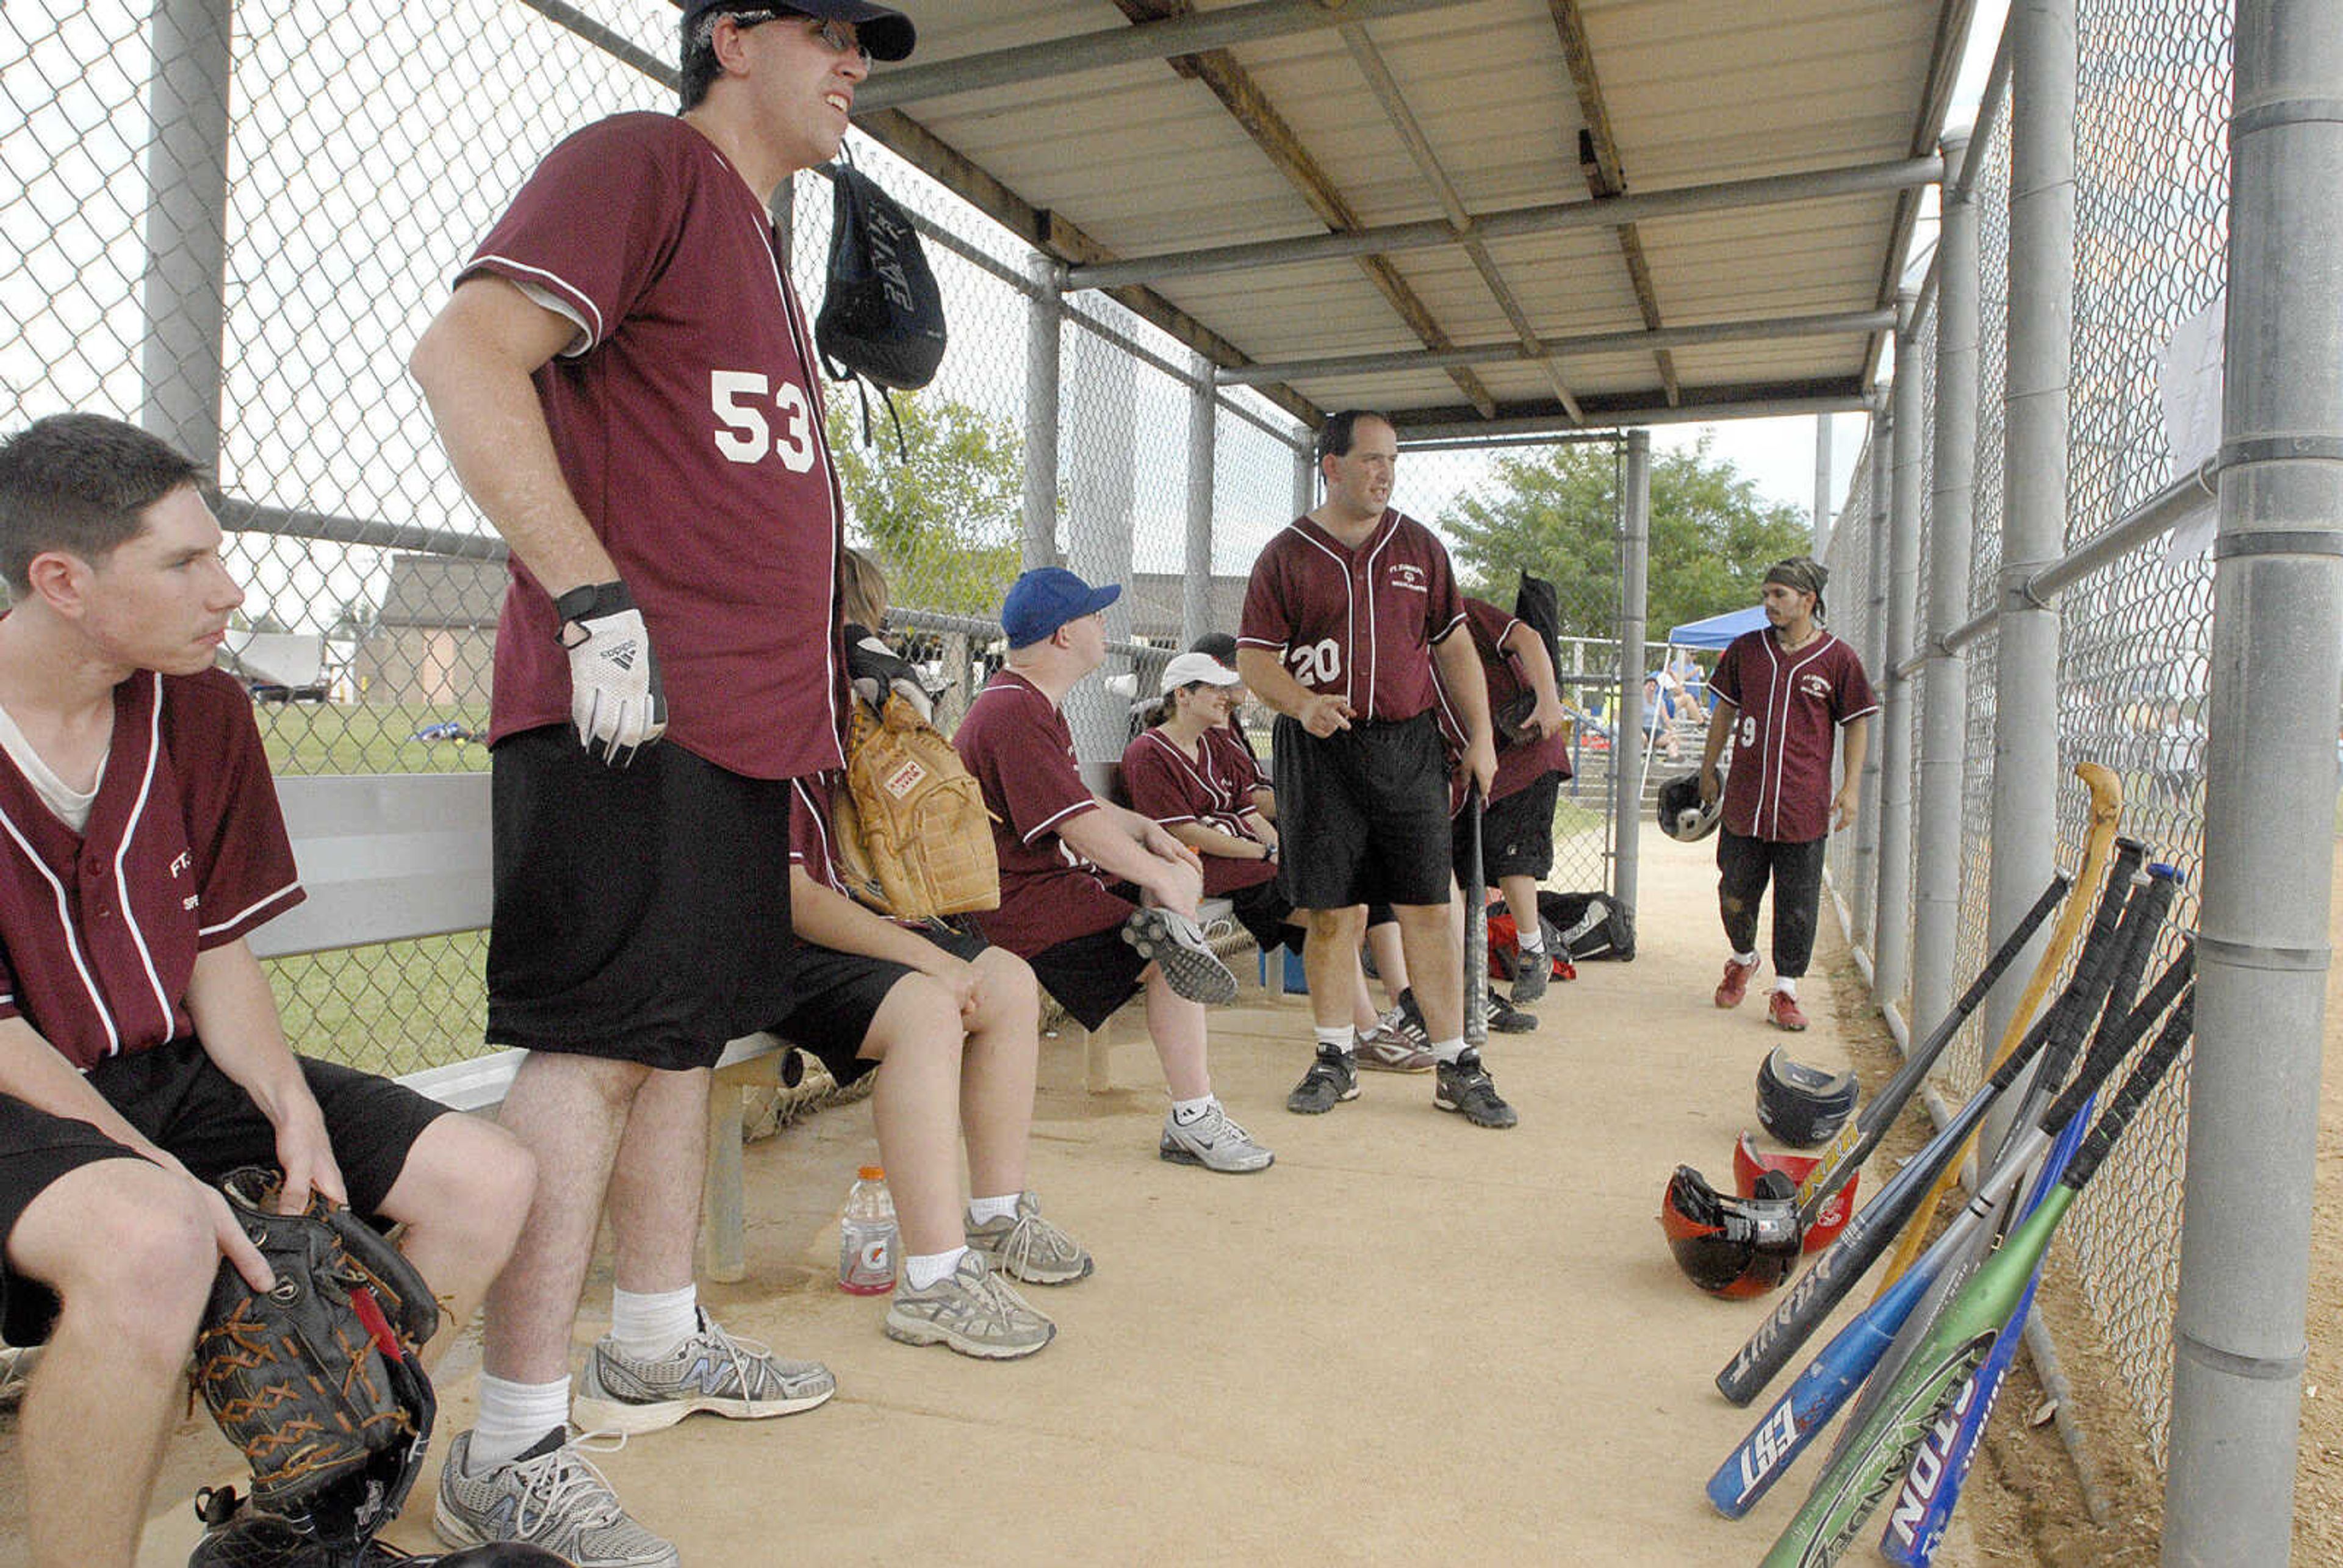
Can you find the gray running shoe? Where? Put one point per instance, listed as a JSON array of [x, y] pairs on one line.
[[709, 1371], [1396, 1044], [548, 1497], [1504, 1019], [1177, 945], [1215, 1141], [1464, 1086], [1531, 979], [974, 1310], [1030, 1248], [1332, 1078]]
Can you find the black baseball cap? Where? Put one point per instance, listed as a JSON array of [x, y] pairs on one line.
[[887, 34]]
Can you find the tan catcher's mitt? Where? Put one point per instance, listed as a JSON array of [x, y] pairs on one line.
[[914, 839]]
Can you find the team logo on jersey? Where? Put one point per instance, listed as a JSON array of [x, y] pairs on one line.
[[1815, 686], [181, 863], [1404, 575]]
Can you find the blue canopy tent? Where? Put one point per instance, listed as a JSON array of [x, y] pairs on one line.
[[1718, 629]]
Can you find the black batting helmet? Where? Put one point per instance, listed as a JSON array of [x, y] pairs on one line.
[[1682, 815], [1800, 1105], [1736, 1247]]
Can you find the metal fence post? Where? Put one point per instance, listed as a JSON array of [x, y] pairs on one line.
[[1890, 924], [2277, 674], [184, 292], [1305, 472], [1196, 586], [1627, 735], [1045, 314], [1873, 645], [1945, 682], [1100, 495], [2034, 479], [1822, 485]]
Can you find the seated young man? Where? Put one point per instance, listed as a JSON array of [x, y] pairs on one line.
[[141, 1057], [1059, 844]]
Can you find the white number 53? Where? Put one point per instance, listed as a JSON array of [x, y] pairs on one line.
[[736, 396]]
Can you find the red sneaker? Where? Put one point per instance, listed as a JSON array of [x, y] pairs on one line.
[[1735, 983], [1781, 1011]]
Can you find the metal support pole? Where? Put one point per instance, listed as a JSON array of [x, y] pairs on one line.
[[183, 294], [2277, 679], [2034, 481], [1891, 944], [1306, 473], [1045, 313], [1627, 735], [1822, 485], [1100, 513], [1944, 683], [1196, 586], [1872, 646]]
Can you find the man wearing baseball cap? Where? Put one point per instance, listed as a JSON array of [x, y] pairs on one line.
[[1074, 869], [626, 384]]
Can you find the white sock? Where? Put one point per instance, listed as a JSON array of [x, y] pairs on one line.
[[1448, 1049], [1787, 985], [514, 1418], [1185, 1111], [1746, 960], [983, 1211], [1532, 941], [923, 1271], [646, 1327], [1344, 1038]]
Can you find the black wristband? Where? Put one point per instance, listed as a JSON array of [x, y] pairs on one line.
[[591, 602]]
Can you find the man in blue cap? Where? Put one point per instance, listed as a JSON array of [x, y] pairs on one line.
[[1100, 900]]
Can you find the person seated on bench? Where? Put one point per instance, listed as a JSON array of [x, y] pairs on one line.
[[1059, 844], [141, 1056]]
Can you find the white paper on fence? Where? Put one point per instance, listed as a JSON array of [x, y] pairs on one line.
[[2188, 383]]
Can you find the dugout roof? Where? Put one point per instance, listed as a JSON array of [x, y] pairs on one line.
[[1481, 215]]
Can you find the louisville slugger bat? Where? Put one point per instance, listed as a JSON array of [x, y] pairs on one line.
[[2098, 842], [1819, 1533], [1476, 930], [1872, 1229], [1846, 1154], [1852, 1354]]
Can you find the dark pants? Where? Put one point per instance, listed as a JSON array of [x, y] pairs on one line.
[[1796, 870]]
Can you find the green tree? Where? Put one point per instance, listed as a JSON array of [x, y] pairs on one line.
[[1556, 512], [946, 525]]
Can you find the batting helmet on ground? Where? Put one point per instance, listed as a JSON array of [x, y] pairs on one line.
[[1802, 1106], [1683, 816], [1736, 1247], [1750, 1164]]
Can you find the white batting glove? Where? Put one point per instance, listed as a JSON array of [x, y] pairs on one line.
[[616, 700]]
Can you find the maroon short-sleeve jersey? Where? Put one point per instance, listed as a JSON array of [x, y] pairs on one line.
[[1518, 766], [184, 850], [688, 420], [1358, 623], [809, 844], [1016, 743], [1233, 743], [1213, 787], [1786, 710]]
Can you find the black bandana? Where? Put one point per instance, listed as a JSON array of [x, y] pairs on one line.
[[1804, 574]]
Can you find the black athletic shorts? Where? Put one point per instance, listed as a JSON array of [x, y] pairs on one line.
[[1363, 813], [836, 995], [641, 912], [1261, 910], [176, 1096], [1516, 834], [1091, 976]]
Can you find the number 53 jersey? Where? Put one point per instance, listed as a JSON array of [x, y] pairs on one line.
[[1359, 624], [687, 421]]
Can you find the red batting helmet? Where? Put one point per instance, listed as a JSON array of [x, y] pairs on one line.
[[1750, 1163], [1736, 1247]]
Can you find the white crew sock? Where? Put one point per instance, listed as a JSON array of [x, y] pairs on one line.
[[646, 1327], [514, 1418], [1787, 985], [923, 1271], [1448, 1049], [1344, 1038], [1185, 1111], [1532, 941], [1746, 960], [982, 1211]]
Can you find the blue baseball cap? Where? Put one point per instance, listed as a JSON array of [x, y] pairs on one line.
[[1046, 599]]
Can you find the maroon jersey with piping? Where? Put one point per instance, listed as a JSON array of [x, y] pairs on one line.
[[1357, 623], [184, 851], [1016, 743], [1231, 739], [1213, 787], [1518, 766], [1787, 707], [688, 420]]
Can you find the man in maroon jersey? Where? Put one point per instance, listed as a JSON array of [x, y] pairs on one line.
[[1782, 693], [1349, 632], [626, 384], [1517, 826], [1059, 845], [141, 1056]]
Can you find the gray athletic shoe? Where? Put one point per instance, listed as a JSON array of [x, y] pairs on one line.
[[1397, 1044], [550, 1497], [1178, 947], [1332, 1078], [1215, 1141], [1505, 1019], [1531, 979], [1030, 1248], [972, 1309], [710, 1371], [1464, 1086]]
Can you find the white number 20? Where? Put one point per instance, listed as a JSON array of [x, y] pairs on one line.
[[1317, 665], [745, 435]]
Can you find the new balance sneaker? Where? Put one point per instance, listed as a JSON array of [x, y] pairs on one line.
[[1464, 1086], [974, 1310], [548, 1497], [1397, 1044], [1503, 1018], [1781, 1011], [1332, 1078], [1529, 979], [1735, 983], [1213, 1140], [1030, 1248], [709, 1371], [1178, 947]]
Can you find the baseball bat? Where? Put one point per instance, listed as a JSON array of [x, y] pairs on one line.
[[2099, 839], [1819, 1533], [1852, 1356], [1872, 1229], [1476, 929]]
